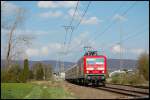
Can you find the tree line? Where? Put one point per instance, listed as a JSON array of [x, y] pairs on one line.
[[39, 71]]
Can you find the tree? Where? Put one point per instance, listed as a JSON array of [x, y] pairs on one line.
[[15, 43], [143, 65], [31, 75], [12, 75], [26, 69], [39, 72], [42, 71], [47, 71]]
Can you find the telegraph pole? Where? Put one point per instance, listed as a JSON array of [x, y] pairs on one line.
[[121, 45], [67, 28]]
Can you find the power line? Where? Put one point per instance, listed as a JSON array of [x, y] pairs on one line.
[[80, 21], [129, 37], [125, 12], [74, 13], [115, 12], [128, 34], [67, 28], [70, 24], [85, 11], [115, 21]]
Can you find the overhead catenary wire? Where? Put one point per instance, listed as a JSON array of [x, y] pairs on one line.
[[70, 24], [74, 13], [141, 25], [129, 37], [67, 28], [85, 11], [115, 12], [109, 26], [125, 39]]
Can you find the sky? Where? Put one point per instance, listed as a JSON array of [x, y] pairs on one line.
[[101, 28]]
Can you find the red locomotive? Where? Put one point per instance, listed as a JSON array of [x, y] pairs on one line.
[[90, 69]]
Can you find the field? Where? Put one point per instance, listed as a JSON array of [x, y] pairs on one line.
[[35, 90]]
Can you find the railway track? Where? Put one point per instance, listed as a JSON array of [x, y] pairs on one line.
[[135, 92], [132, 92]]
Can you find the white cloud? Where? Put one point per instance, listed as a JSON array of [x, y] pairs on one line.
[[119, 17], [46, 4], [67, 3], [44, 50], [116, 48], [56, 4], [137, 51], [80, 41], [32, 52], [52, 49], [51, 14], [91, 20], [71, 12], [55, 47]]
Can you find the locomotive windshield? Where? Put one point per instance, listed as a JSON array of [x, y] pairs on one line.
[[95, 60]]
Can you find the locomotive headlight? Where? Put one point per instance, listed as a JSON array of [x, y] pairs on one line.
[[87, 71], [102, 71]]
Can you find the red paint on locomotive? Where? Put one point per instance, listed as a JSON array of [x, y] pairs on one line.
[[94, 67]]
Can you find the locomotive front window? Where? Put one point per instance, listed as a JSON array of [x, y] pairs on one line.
[[93, 61], [95, 64]]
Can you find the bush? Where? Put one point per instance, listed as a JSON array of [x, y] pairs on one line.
[[39, 72], [31, 75], [42, 71], [11, 75], [26, 70], [116, 78], [128, 78], [143, 65]]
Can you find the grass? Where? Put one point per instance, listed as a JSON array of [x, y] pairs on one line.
[[32, 91]]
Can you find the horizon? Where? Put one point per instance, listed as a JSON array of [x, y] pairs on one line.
[[73, 62]]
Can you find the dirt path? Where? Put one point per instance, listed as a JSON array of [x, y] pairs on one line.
[[90, 93]]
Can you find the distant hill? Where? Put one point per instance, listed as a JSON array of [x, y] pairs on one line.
[[112, 64]]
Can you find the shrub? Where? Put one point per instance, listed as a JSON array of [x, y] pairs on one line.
[[11, 75], [143, 65]]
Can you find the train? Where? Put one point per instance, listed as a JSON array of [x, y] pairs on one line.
[[89, 70]]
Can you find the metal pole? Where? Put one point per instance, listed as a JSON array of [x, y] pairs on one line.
[[121, 46]]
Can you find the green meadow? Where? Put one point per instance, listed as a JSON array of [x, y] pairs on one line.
[[32, 91]]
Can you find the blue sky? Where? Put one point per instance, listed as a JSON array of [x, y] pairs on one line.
[[45, 21]]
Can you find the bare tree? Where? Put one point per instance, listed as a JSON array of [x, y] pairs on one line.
[[15, 43]]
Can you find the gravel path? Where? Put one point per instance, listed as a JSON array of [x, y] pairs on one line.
[[82, 92]]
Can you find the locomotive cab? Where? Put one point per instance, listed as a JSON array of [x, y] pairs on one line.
[[95, 69]]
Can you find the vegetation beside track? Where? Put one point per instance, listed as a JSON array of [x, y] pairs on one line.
[[34, 90], [138, 77]]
